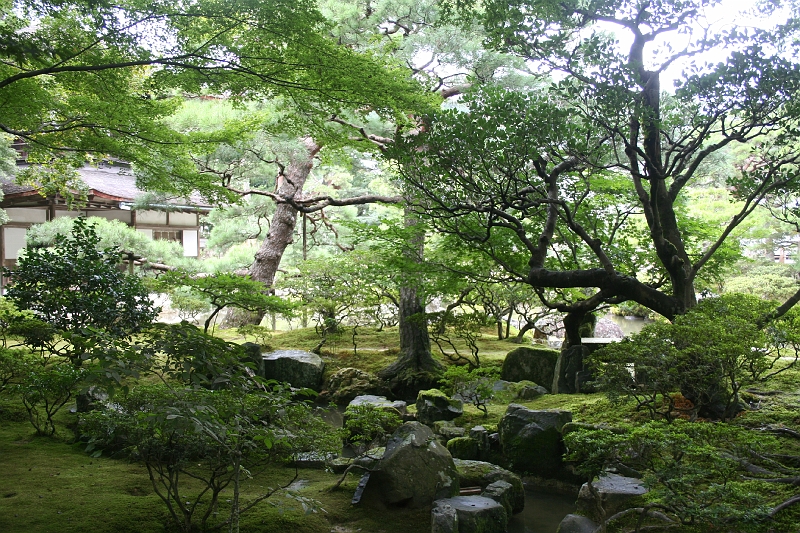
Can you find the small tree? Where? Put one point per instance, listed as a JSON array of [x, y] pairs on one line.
[[223, 290], [45, 390], [473, 385], [74, 285]]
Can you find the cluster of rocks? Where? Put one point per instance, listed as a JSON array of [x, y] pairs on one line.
[[432, 462]]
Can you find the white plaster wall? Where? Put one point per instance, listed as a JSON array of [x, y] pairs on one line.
[[151, 217], [183, 219], [73, 214], [124, 216], [147, 232], [14, 241], [190, 243], [21, 214]]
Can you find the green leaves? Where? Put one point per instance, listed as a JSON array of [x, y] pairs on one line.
[[699, 474], [75, 285], [225, 290], [709, 354]]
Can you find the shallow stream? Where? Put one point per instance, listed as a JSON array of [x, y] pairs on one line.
[[543, 512]]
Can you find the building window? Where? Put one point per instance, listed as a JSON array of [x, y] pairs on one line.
[[168, 235]]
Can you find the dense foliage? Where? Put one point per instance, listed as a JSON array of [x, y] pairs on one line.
[[582, 184], [709, 355], [701, 477], [74, 285]]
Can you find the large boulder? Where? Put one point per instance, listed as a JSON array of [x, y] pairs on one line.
[[414, 471], [575, 523], [531, 440], [530, 363], [433, 405], [348, 383], [298, 368], [482, 474], [468, 514], [616, 493]]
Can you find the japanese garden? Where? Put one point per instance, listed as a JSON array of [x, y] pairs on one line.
[[477, 266]]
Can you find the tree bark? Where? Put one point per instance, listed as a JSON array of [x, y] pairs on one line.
[[281, 231], [267, 259], [415, 368]]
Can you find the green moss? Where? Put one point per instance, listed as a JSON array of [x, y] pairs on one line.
[[431, 394], [463, 448]]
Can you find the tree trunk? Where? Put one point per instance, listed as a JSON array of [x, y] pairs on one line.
[[415, 368], [281, 230], [569, 373]]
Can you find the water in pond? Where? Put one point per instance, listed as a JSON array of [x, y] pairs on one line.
[[543, 512], [629, 324]]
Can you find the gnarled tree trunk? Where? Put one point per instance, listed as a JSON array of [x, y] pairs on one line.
[[281, 231]]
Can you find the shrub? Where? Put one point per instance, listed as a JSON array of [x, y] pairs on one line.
[[197, 442], [471, 385], [74, 285], [709, 354], [45, 390], [368, 426], [701, 476]]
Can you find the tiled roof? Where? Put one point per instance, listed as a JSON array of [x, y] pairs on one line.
[[115, 182]]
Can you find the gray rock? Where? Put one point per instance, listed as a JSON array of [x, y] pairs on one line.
[[348, 383], [616, 494], [414, 471], [444, 518], [296, 367], [531, 440], [448, 430], [502, 492], [501, 385], [575, 523], [480, 435], [433, 405], [531, 392], [482, 474], [532, 364], [369, 460], [474, 514], [378, 401]]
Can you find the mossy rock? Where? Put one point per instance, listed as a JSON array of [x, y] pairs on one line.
[[463, 448], [531, 440], [433, 405], [532, 364], [482, 474]]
